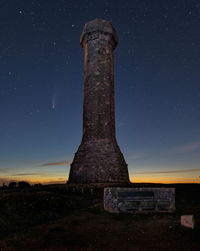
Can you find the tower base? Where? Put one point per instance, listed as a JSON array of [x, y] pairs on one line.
[[98, 161]]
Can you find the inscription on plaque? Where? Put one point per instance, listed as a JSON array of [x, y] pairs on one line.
[[135, 194], [163, 205], [139, 200], [148, 205]]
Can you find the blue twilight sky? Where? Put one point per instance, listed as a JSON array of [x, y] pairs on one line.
[[157, 86]]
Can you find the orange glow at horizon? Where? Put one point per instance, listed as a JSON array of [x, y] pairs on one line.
[[164, 180], [134, 179]]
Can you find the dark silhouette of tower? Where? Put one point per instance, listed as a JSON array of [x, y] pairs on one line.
[[98, 159]]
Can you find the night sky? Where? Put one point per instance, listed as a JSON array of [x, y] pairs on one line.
[[157, 87]]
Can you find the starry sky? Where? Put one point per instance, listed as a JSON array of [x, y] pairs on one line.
[[157, 87]]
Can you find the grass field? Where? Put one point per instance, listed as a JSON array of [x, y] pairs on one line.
[[60, 217]]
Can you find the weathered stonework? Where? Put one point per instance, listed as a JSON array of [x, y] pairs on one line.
[[139, 200], [98, 159]]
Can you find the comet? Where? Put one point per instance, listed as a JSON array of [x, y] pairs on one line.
[[54, 102]]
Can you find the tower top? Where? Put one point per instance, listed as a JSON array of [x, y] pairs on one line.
[[99, 29]]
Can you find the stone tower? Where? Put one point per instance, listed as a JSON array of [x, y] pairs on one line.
[[98, 159]]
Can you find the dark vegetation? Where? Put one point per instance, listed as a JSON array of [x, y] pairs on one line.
[[63, 217]]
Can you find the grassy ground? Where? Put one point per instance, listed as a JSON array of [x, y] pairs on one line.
[[62, 218]]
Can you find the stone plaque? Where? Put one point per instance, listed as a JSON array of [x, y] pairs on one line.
[[139, 200]]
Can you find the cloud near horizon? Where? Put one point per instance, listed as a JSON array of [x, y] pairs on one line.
[[186, 148], [57, 163], [137, 156], [172, 171], [24, 174]]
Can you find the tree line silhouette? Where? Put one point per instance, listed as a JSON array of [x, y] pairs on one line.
[[19, 185]]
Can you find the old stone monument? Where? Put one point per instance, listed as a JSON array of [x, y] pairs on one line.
[[98, 159]]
